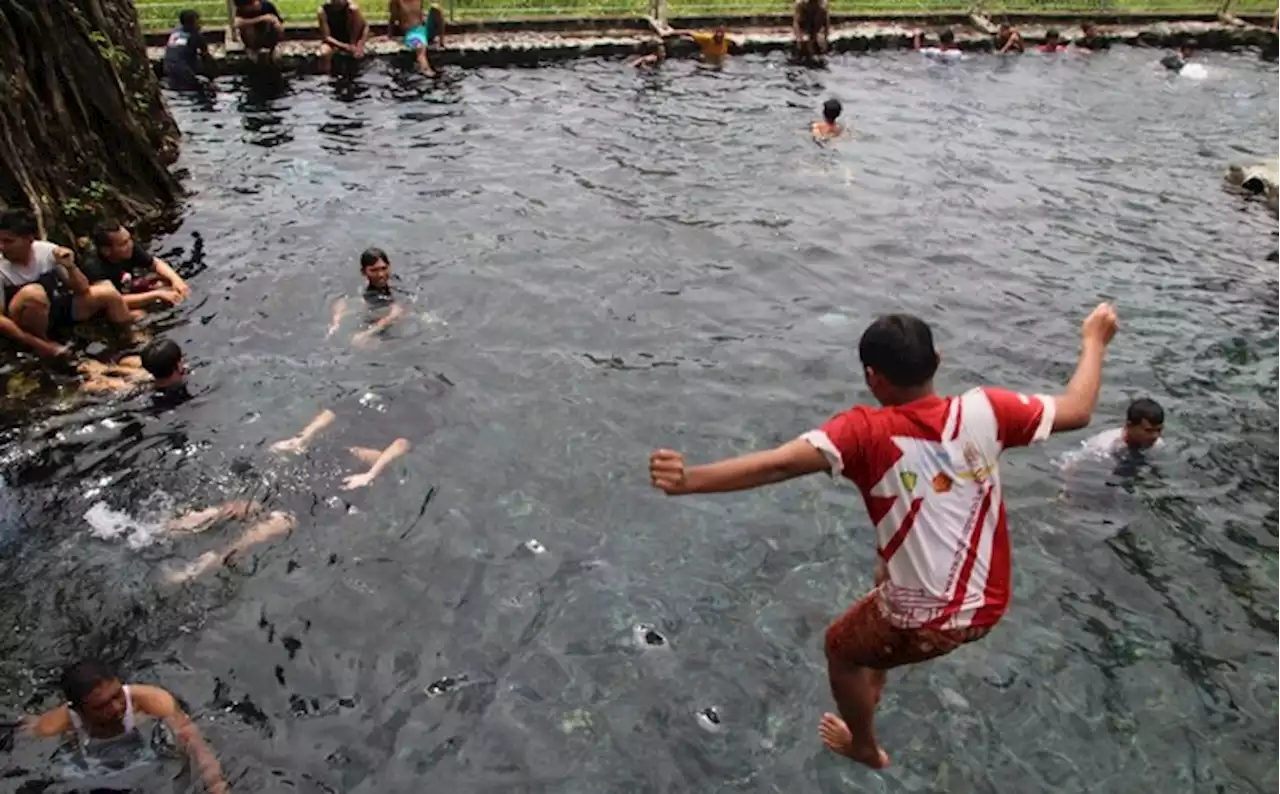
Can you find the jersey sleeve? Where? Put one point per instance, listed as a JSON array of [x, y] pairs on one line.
[[1021, 419], [840, 440]]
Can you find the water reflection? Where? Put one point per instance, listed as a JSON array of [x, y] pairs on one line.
[[619, 260]]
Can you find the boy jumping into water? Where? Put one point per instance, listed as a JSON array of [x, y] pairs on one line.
[[927, 467]]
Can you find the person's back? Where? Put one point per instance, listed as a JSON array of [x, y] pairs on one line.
[[184, 51], [828, 127]]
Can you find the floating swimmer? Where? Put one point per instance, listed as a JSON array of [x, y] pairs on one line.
[[927, 468], [1179, 61], [829, 127], [379, 297], [102, 716], [946, 48]]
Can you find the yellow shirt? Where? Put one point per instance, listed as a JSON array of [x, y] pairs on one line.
[[711, 49]]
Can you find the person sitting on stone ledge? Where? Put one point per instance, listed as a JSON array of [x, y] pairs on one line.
[[186, 55], [653, 58], [342, 29], [145, 281], [420, 26], [1008, 40], [1090, 39], [44, 292], [260, 27], [811, 27], [714, 45]]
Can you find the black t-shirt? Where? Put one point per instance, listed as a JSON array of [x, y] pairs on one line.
[[182, 53], [267, 8], [1095, 43], [139, 265], [379, 298]]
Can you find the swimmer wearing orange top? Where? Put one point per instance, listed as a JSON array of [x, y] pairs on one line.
[[714, 45]]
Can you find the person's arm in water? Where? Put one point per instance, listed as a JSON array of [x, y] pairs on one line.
[[169, 275], [1074, 407], [160, 704], [393, 314], [299, 442], [1014, 41], [53, 723], [667, 471], [380, 461], [339, 309], [41, 347]]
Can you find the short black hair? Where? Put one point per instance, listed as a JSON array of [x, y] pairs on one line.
[[1052, 33], [1144, 409], [947, 36], [102, 232], [188, 18], [20, 222], [161, 357], [371, 257], [1087, 24], [80, 679], [831, 110], [899, 347]]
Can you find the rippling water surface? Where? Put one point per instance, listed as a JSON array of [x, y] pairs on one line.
[[601, 262]]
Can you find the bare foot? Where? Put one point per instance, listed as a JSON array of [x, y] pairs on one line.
[[837, 737], [289, 446], [193, 569]]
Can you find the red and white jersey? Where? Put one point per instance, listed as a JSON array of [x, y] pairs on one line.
[[929, 474]]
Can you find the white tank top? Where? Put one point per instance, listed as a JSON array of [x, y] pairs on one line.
[[86, 741]]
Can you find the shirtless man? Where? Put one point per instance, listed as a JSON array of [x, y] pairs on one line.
[[811, 26], [829, 127], [419, 26]]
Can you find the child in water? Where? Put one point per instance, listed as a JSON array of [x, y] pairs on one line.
[[828, 128], [928, 470], [1176, 61], [102, 714], [1052, 42]]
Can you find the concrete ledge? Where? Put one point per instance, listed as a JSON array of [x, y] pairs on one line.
[[496, 44]]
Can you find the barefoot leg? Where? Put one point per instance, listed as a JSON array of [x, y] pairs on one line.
[[366, 455], [857, 693]]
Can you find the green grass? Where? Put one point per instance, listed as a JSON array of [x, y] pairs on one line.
[[163, 14]]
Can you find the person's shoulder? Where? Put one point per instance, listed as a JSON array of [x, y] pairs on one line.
[[1105, 440], [153, 700]]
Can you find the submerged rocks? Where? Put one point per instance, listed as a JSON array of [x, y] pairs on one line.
[[1260, 178]]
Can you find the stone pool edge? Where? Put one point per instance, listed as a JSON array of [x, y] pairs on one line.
[[502, 44]]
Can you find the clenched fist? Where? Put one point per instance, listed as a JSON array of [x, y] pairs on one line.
[[1100, 326], [666, 471]]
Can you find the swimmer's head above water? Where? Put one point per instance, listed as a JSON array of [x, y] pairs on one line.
[[1188, 48], [831, 110], [1143, 423], [947, 38], [18, 231], [163, 359], [718, 34], [375, 266], [94, 693], [1052, 36], [898, 359]]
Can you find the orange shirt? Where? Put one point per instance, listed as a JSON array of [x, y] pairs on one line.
[[711, 49]]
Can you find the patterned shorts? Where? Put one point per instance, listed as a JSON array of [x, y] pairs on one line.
[[864, 637]]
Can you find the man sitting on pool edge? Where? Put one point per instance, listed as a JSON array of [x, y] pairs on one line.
[[144, 280], [420, 26], [260, 27], [342, 29], [34, 274]]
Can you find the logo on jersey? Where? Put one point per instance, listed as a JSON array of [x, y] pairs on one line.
[[909, 480], [942, 483]]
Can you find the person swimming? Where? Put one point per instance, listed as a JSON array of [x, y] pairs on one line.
[[946, 48], [828, 128], [1142, 431], [653, 58], [714, 45], [378, 295], [1052, 42], [1008, 40], [1177, 61], [102, 716]]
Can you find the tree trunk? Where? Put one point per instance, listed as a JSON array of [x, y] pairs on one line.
[[84, 132]]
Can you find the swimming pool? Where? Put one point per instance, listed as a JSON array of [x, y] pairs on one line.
[[606, 261]]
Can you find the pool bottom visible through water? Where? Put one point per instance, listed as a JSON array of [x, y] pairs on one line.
[[601, 262]]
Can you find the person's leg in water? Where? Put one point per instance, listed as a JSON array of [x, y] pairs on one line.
[[198, 521], [416, 39], [300, 442], [377, 460], [275, 524]]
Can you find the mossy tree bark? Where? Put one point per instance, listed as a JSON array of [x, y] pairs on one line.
[[83, 129]]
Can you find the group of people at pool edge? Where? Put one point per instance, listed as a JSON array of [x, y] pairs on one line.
[[345, 32], [927, 467]]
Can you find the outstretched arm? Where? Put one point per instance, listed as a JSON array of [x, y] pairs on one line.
[[1074, 407], [160, 704], [385, 458], [339, 309], [394, 313], [299, 442], [794, 459], [49, 724]]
